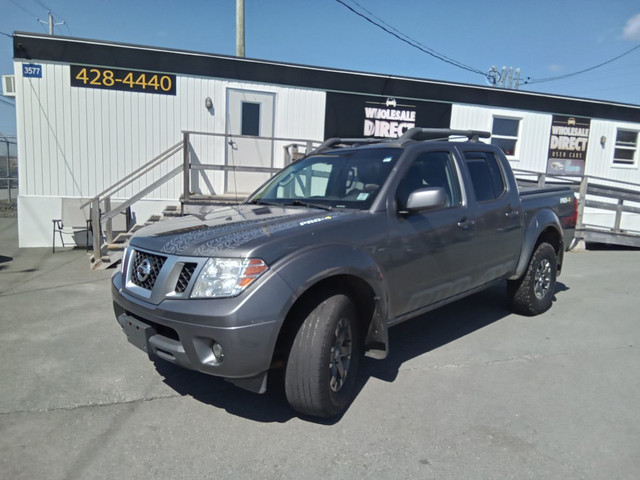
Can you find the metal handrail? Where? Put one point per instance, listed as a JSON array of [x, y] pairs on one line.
[[104, 197], [615, 190], [187, 161], [98, 218], [251, 137], [137, 173], [574, 179]]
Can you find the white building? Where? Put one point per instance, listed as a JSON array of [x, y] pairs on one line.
[[91, 112]]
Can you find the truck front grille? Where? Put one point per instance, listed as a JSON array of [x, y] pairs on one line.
[[145, 269], [185, 276]]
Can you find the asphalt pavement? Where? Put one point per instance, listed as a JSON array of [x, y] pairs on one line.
[[469, 391]]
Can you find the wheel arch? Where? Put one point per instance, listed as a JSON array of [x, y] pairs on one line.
[[326, 271], [543, 228]]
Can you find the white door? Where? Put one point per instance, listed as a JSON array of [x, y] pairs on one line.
[[248, 114]]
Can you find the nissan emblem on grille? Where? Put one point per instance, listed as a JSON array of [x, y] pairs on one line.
[[143, 271]]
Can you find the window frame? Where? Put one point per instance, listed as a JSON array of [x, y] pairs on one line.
[[467, 156], [516, 138], [456, 195], [622, 163], [249, 117]]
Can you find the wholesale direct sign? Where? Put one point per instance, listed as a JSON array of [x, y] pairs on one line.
[[568, 145], [388, 119], [380, 116]]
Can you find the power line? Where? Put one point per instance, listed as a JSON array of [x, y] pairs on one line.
[[561, 77], [50, 21], [46, 7], [404, 38], [438, 54], [380, 23], [21, 7]]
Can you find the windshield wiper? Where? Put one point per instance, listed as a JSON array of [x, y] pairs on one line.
[[259, 201], [299, 203]]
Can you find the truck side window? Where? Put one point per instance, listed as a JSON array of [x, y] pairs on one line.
[[486, 175], [431, 169]]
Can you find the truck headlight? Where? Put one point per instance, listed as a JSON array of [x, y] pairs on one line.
[[227, 277]]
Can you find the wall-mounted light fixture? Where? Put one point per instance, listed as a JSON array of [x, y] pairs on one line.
[[603, 140], [208, 103]]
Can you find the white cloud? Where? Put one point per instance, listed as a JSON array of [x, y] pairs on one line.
[[632, 28]]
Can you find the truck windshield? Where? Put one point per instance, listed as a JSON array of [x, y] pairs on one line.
[[349, 179]]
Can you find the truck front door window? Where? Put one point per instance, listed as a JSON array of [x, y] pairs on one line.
[[431, 169]]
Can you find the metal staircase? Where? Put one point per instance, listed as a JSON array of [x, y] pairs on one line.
[[108, 246], [112, 252]]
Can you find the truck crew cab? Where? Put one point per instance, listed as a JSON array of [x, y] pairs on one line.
[[315, 266]]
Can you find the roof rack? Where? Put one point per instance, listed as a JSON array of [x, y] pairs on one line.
[[413, 134], [332, 142], [421, 134]]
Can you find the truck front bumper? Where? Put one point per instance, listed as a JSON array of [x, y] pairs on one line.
[[185, 331]]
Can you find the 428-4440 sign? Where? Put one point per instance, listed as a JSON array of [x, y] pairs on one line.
[[125, 80]]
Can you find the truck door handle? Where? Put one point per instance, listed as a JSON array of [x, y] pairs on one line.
[[512, 213], [465, 223]]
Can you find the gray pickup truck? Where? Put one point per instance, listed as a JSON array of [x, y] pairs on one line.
[[311, 270]]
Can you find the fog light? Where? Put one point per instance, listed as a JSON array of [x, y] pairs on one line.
[[217, 352]]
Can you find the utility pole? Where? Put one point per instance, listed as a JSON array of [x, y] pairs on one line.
[[240, 28], [50, 23]]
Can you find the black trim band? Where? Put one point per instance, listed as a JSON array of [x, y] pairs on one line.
[[116, 55]]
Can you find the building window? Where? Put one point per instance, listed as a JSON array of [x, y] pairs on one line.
[[504, 134], [626, 146], [250, 119]]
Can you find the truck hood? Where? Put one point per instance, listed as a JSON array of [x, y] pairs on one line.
[[233, 230]]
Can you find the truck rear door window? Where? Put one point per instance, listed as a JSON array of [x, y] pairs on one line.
[[486, 175]]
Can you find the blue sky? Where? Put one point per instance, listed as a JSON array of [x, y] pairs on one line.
[[544, 38]]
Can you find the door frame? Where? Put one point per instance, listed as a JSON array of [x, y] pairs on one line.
[[227, 126]]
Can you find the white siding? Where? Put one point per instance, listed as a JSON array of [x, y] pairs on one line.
[[533, 137], [75, 142], [600, 157], [78, 141], [534, 140]]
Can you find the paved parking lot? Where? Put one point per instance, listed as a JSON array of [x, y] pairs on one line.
[[469, 391]]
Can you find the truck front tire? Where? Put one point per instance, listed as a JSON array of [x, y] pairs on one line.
[[533, 293], [321, 371]]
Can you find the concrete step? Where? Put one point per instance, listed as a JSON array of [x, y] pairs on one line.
[[111, 253], [122, 237], [171, 211], [153, 219]]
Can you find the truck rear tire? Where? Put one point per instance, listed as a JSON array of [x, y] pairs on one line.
[[321, 371], [533, 293]]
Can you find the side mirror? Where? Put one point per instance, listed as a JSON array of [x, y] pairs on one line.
[[426, 198]]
